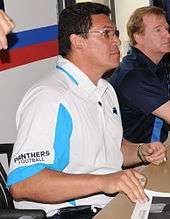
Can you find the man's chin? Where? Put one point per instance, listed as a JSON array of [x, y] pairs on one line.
[[116, 62], [166, 49]]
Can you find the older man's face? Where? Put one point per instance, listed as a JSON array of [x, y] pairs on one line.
[[155, 41]]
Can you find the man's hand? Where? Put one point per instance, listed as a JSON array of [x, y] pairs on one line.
[[127, 181], [154, 152], [6, 26]]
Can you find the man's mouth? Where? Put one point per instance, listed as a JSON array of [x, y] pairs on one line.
[[115, 50], [166, 43]]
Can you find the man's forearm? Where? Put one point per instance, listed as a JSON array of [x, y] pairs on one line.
[[49, 186], [163, 112]]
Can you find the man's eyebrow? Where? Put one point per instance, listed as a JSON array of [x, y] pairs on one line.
[[109, 27], [160, 25]]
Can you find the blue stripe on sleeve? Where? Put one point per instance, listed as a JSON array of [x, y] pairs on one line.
[[63, 132], [156, 133], [23, 173]]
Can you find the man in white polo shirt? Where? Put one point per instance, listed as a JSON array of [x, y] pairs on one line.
[[68, 155]]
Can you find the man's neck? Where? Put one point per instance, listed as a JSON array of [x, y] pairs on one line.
[[87, 68], [155, 57]]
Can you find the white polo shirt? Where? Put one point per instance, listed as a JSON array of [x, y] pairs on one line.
[[68, 124]]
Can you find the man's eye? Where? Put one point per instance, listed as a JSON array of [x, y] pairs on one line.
[[158, 29], [106, 33], [110, 33], [117, 33]]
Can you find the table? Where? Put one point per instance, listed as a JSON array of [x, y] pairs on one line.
[[158, 180]]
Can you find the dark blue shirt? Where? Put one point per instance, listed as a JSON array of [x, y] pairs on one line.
[[141, 87]]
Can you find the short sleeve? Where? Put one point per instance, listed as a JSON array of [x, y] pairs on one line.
[[44, 130]]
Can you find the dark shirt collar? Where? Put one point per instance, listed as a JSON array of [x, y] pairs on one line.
[[144, 60]]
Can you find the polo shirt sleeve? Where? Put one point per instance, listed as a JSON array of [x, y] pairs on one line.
[[143, 91], [43, 140]]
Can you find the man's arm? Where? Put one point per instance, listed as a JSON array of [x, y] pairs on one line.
[[163, 112], [49, 186], [6, 26], [152, 152]]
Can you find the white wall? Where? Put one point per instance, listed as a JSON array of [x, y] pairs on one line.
[[106, 2], [13, 84], [124, 8], [27, 14]]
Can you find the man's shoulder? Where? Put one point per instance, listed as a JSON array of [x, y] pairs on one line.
[[53, 82], [130, 66], [125, 68], [47, 89]]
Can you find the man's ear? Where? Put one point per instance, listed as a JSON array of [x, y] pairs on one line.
[[138, 38], [77, 41]]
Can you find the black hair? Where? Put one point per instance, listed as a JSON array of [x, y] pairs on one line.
[[77, 19]]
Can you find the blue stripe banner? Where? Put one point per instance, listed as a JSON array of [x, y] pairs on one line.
[[34, 36], [29, 46]]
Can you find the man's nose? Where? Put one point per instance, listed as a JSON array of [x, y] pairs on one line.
[[116, 40]]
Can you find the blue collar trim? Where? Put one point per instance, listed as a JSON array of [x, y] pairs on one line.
[[68, 74]]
